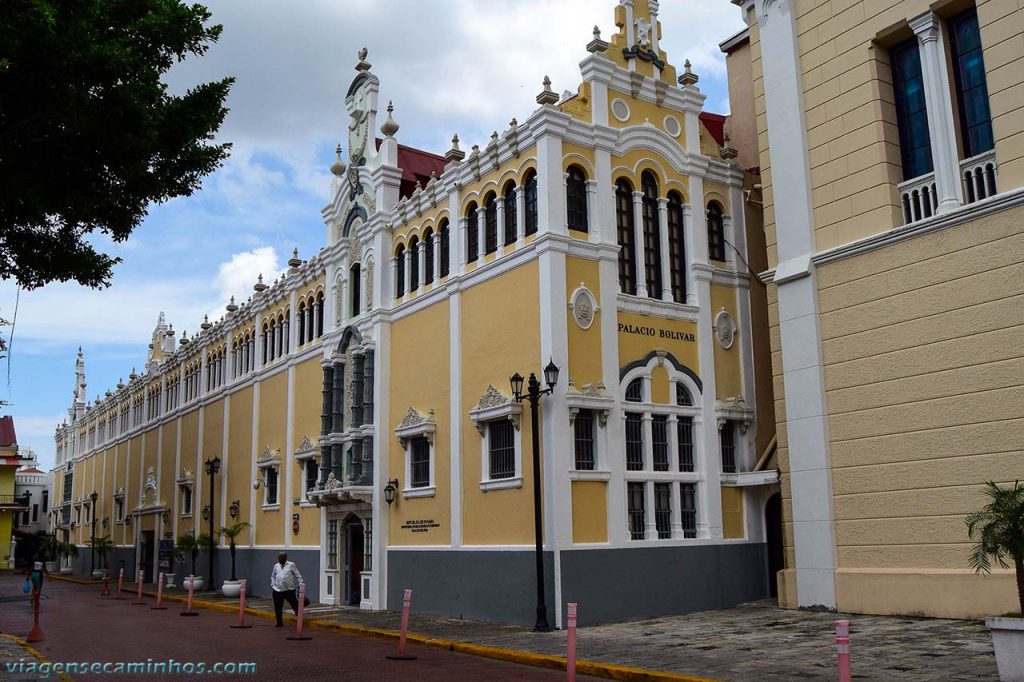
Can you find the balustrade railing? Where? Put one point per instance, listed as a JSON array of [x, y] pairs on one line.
[[918, 198], [979, 176]]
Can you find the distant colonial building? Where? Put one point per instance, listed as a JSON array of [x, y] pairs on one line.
[[361, 408], [891, 145], [12, 504]]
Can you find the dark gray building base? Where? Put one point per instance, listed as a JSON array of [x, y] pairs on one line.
[[608, 584]]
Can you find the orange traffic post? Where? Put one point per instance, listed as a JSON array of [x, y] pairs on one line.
[[159, 593], [138, 598], [406, 603], [36, 635], [191, 589], [843, 650], [570, 648], [120, 585], [298, 636], [241, 608], [105, 592]]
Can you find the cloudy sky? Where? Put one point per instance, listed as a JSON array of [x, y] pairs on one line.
[[465, 66]]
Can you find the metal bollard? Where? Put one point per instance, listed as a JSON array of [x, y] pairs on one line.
[[406, 603], [241, 608], [298, 636], [191, 589], [843, 650], [570, 643], [138, 596], [159, 593]]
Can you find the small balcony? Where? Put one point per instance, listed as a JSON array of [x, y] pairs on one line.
[[918, 198], [347, 480], [14, 502], [979, 176]]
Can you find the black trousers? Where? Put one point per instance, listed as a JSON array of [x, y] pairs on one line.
[[279, 599]]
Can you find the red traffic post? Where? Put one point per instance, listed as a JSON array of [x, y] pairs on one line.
[[843, 650], [120, 585], [298, 636], [36, 635], [191, 589], [402, 656], [241, 608], [159, 593], [570, 643], [105, 592], [138, 596]]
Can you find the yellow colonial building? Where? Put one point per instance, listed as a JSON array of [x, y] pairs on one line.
[[361, 406], [890, 137]]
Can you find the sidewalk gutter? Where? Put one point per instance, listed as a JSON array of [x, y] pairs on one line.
[[608, 671], [35, 653]]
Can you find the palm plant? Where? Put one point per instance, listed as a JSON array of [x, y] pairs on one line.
[[102, 546], [231, 533], [50, 547], [188, 545], [999, 527], [67, 551]]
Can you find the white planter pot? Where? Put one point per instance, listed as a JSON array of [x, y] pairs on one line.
[[67, 570], [169, 580], [195, 580], [1008, 641], [97, 574], [51, 566], [231, 588]]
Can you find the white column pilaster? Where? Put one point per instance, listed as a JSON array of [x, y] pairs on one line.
[[638, 239], [666, 273], [499, 206]]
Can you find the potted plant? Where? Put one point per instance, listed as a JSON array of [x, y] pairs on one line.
[[233, 587], [189, 546], [49, 547], [102, 546], [67, 551], [999, 528]]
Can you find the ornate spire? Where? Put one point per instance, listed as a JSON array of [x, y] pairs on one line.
[[363, 65], [597, 45], [231, 307], [547, 95], [389, 127], [338, 167], [454, 154], [295, 261], [688, 78], [259, 286], [206, 323]]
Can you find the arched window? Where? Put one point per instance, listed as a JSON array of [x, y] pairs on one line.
[[302, 323], [627, 245], [635, 391], [652, 234], [576, 199], [511, 214], [472, 247], [676, 248], [490, 224], [530, 201], [716, 232], [266, 350], [310, 321], [428, 266], [400, 271], [319, 314], [444, 249], [354, 284], [414, 264], [272, 339], [683, 396]]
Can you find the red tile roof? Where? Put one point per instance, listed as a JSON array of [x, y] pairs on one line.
[[7, 435], [715, 123], [31, 470], [416, 165]]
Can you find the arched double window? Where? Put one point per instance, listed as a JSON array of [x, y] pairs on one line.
[[400, 271], [530, 202], [428, 256], [716, 232], [624, 228], [354, 284], [472, 234], [652, 234], [302, 322], [319, 314], [511, 214], [414, 264], [676, 248], [490, 223], [445, 249], [576, 199]]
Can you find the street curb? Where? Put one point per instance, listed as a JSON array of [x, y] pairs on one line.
[[35, 652], [608, 671]]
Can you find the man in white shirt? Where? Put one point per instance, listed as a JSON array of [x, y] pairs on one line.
[[284, 578]]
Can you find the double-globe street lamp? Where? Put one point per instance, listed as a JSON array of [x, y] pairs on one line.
[[211, 467], [533, 394]]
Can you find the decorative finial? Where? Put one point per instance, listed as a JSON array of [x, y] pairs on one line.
[[206, 323], [494, 139], [597, 45], [547, 95], [338, 167], [363, 65], [120, 382], [259, 286], [389, 128], [513, 124], [688, 78], [727, 152], [231, 307], [294, 261], [454, 155]]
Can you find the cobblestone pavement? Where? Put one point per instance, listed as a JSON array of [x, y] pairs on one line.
[[753, 642], [11, 651], [80, 626]]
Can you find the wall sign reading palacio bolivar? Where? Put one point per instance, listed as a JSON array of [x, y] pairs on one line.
[[364, 395]]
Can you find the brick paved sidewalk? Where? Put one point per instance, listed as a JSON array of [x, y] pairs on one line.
[[755, 641]]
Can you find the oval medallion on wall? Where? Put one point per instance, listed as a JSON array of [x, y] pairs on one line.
[[725, 329]]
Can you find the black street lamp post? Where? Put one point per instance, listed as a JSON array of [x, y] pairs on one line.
[[533, 394], [212, 466], [92, 514]]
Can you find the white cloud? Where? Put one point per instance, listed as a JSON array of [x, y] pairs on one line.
[[236, 276]]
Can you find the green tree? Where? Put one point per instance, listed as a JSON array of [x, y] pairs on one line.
[[89, 134], [999, 527], [102, 546], [189, 545], [231, 533]]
